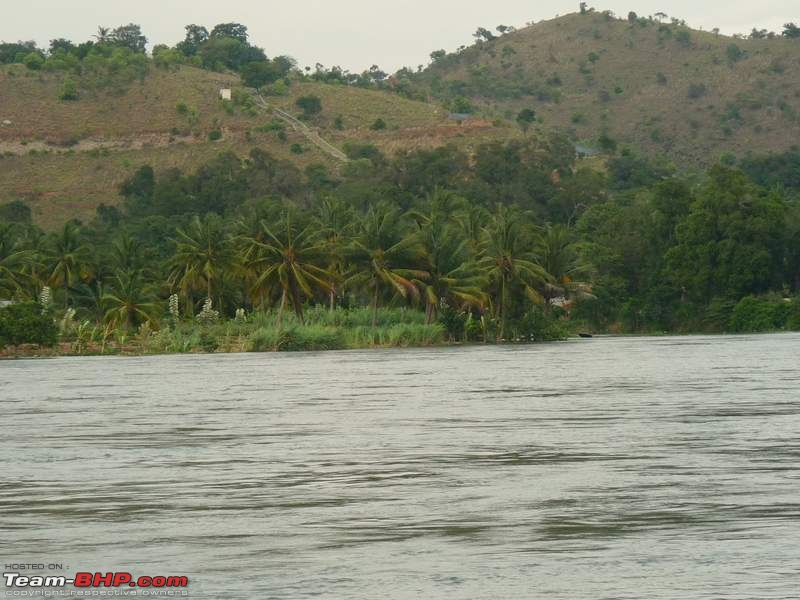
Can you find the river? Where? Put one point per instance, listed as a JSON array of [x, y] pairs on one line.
[[607, 468]]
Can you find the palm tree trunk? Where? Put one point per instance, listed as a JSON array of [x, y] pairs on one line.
[[280, 310], [375, 307], [333, 298]]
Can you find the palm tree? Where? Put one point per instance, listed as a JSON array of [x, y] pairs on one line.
[[130, 301], [453, 276], [103, 35], [507, 259], [66, 259], [203, 252], [386, 256], [13, 260], [291, 258], [335, 219], [558, 254]]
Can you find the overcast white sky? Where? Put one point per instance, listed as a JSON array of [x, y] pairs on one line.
[[358, 33]]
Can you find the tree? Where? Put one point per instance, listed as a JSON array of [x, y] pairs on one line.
[[310, 105], [291, 258], [236, 31], [13, 259], [66, 258], [632, 17], [584, 8], [128, 36], [203, 253], [731, 244], [196, 36], [507, 260], [525, 118], [438, 55], [25, 324], [260, 73], [130, 301], [483, 34], [791, 31], [387, 260], [102, 35], [451, 275]]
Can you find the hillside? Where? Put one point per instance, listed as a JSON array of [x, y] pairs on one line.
[[663, 88], [64, 158]]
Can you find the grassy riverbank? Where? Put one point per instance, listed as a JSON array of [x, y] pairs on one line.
[[321, 329]]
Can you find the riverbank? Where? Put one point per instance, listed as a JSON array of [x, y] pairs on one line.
[[321, 329]]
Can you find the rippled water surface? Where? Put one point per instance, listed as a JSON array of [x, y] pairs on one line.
[[607, 468]]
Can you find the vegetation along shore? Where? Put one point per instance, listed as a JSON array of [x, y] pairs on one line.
[[514, 190]]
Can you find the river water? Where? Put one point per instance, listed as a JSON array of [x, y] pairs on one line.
[[607, 468]]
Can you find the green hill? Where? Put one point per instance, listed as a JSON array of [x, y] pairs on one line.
[[64, 158], [662, 88]]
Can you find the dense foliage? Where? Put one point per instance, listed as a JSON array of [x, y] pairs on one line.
[[519, 240]]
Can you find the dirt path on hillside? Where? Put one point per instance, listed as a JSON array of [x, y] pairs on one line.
[[300, 127]]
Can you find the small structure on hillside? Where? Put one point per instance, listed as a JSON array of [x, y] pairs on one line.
[[225, 93]]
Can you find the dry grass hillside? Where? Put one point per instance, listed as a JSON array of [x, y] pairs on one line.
[[662, 88], [64, 158]]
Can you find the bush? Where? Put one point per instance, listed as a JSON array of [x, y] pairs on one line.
[[25, 324], [310, 105], [16, 212], [697, 90], [296, 338], [378, 125], [759, 314], [69, 91], [214, 135], [538, 326], [296, 149]]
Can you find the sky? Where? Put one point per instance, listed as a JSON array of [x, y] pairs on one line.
[[356, 34]]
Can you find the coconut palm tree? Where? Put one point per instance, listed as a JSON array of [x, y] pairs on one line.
[[388, 257], [203, 252], [508, 260], [292, 259], [453, 275], [335, 219], [66, 259], [558, 254], [130, 300], [13, 260]]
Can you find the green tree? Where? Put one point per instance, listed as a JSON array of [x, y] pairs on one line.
[[203, 253], [292, 258], [129, 301], [525, 118], [387, 259], [310, 105], [508, 261], [66, 258]]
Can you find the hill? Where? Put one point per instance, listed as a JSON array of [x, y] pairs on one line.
[[663, 88], [64, 158]]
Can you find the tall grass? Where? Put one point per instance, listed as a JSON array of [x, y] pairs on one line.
[[338, 329]]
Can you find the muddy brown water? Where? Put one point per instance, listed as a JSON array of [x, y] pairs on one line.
[[609, 468]]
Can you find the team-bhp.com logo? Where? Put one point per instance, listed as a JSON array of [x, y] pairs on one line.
[[95, 580]]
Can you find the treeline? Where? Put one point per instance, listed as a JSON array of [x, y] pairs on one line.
[[513, 242]]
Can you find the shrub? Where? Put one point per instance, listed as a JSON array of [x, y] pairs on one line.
[[697, 90], [69, 91], [759, 314], [181, 108], [378, 125], [25, 324], [16, 212], [296, 149], [310, 105], [214, 135], [34, 61]]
